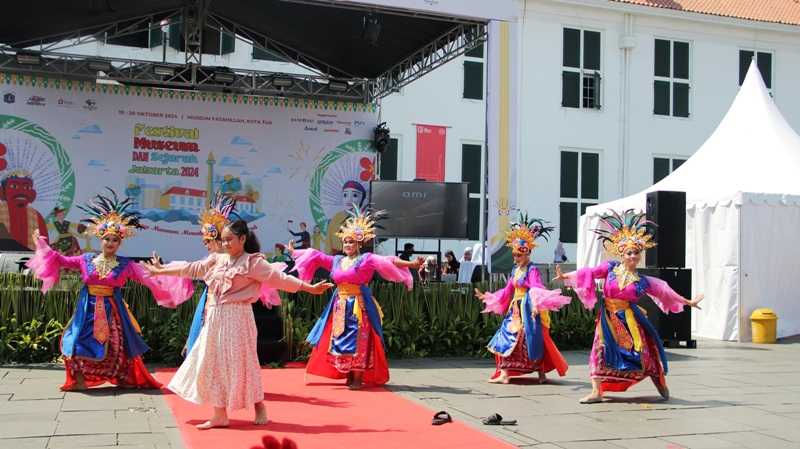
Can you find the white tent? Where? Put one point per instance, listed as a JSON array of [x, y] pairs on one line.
[[743, 217]]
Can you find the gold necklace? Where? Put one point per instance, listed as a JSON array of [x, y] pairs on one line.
[[104, 265], [624, 276], [348, 261]]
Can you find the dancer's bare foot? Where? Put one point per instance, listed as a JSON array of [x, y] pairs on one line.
[[542, 377], [592, 398], [261, 414], [356, 382], [212, 424], [80, 383], [502, 378]]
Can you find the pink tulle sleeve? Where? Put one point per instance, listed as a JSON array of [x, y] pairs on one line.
[[543, 298], [271, 276], [308, 261], [385, 266], [582, 281], [497, 302], [46, 264], [269, 295], [168, 291], [664, 296]]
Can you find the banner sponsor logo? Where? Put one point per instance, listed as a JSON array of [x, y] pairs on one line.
[[36, 100], [90, 105]]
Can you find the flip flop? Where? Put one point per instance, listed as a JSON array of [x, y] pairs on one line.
[[441, 418], [497, 420]]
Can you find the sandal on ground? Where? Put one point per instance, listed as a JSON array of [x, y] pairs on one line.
[[497, 420], [441, 418]]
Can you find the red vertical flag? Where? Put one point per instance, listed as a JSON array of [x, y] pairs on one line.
[[431, 142]]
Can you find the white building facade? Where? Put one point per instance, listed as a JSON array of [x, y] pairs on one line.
[[609, 97], [612, 97]]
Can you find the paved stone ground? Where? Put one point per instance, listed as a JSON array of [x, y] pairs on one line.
[[724, 395], [35, 414]]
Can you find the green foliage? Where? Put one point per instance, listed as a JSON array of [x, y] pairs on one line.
[[29, 342], [436, 320]]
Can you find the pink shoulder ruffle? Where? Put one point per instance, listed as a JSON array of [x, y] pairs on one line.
[[168, 291], [551, 300], [269, 296], [45, 264], [385, 266], [664, 296], [308, 261], [582, 281]]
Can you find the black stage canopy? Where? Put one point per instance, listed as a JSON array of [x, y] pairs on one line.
[[378, 48]]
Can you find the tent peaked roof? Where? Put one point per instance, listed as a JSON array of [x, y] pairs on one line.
[[753, 150]]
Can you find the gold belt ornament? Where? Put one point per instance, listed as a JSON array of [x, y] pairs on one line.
[[616, 305], [100, 327], [345, 291]]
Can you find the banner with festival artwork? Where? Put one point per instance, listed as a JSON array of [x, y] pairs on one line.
[[286, 161]]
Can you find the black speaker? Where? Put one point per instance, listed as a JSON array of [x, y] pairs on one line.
[[673, 327], [668, 210], [271, 346]]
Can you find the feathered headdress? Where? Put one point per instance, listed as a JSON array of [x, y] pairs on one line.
[[213, 219], [621, 232], [522, 235], [360, 226], [110, 216]]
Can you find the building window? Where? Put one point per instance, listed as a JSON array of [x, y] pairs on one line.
[[580, 188], [265, 55], [215, 41], [763, 60], [471, 163], [663, 166], [389, 161], [581, 75], [473, 73], [671, 73]]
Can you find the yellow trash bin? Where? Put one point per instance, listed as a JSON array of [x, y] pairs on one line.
[[764, 324]]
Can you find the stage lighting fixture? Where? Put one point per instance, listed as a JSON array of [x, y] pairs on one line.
[[381, 136], [337, 86], [29, 58], [282, 82], [100, 66], [224, 77], [164, 70], [371, 29]]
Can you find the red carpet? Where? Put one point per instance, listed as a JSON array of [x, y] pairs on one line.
[[326, 415]]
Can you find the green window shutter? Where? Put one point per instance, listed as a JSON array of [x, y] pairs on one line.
[[473, 80], [569, 174], [570, 89], [476, 52], [591, 50], [661, 64], [660, 169], [568, 222], [176, 36], [677, 163], [471, 166], [389, 162], [764, 61], [680, 60], [745, 56], [661, 98], [590, 175], [572, 48], [156, 36], [681, 98], [265, 55], [473, 218], [228, 44]]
